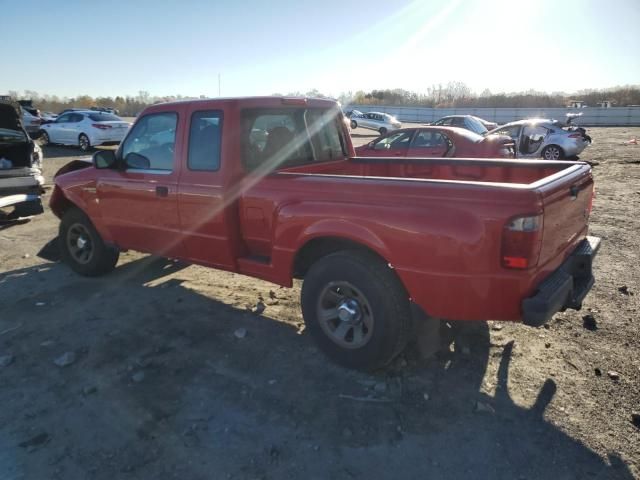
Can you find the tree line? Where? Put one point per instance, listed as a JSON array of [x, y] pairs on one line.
[[453, 94], [457, 94]]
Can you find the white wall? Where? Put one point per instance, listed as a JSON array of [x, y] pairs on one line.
[[591, 116]]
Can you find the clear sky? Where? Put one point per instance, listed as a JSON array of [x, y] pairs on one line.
[[117, 47]]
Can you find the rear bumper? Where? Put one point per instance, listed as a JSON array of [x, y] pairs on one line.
[[565, 288]]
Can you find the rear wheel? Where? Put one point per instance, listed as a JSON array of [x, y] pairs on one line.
[[356, 309], [382, 130], [552, 152], [82, 247], [354, 125], [84, 143]]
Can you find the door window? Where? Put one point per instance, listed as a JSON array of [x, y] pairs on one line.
[[274, 138], [204, 141], [395, 141], [63, 118], [429, 139], [153, 137], [513, 131], [532, 138], [444, 121]]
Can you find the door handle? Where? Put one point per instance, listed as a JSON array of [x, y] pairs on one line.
[[162, 191]]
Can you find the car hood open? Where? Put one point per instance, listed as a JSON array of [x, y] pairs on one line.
[[10, 117]]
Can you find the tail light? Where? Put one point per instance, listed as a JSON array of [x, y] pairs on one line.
[[575, 135], [521, 242], [101, 126], [591, 199]]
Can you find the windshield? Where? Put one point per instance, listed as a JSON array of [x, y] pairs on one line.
[[477, 126]]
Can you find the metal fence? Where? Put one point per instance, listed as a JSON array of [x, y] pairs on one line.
[[591, 116]]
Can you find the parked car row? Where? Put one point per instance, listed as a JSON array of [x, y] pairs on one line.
[[532, 138]]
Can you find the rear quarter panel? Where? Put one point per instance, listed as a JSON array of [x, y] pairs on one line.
[[442, 239]]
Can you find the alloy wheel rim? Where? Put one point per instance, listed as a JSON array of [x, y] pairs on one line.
[[84, 143], [79, 243], [552, 153], [345, 315]]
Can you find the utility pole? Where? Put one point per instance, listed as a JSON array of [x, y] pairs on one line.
[[218, 84]]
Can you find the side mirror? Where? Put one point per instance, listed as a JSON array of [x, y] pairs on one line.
[[137, 161], [104, 159]]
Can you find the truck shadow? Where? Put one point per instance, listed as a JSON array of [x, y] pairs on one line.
[[161, 380]]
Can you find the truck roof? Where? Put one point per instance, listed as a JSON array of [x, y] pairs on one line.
[[266, 101]]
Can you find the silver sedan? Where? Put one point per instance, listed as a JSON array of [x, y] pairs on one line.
[[545, 138], [381, 122]]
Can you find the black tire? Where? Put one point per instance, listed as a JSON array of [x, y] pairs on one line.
[[83, 142], [75, 228], [553, 152], [354, 124], [381, 299], [43, 138], [382, 130]]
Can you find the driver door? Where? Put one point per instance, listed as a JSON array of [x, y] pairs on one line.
[[429, 143], [138, 201], [55, 130]]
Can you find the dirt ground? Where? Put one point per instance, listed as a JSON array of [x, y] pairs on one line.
[[159, 385]]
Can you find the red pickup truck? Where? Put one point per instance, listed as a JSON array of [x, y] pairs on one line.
[[271, 188]]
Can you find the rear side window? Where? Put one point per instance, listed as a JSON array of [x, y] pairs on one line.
[[204, 141], [103, 117], [276, 138], [429, 139]]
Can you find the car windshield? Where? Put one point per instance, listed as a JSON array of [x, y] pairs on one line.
[[477, 126], [104, 117], [12, 136]]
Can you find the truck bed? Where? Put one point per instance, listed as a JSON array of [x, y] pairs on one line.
[[439, 222], [512, 172]]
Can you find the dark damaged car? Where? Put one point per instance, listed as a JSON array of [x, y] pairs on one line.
[[21, 181]]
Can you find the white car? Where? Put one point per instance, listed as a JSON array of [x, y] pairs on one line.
[[85, 129], [381, 122]]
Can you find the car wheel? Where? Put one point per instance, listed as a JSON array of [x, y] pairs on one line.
[[382, 130], [356, 309], [552, 152], [44, 138], [84, 143], [81, 246], [354, 124]]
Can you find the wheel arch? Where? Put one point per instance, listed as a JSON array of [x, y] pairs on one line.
[[315, 248]]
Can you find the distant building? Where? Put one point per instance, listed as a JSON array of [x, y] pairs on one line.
[[576, 104], [605, 104]]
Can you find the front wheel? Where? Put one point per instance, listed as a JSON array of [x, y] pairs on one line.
[[354, 125], [382, 131], [44, 138], [82, 247], [84, 143], [356, 309], [552, 152]]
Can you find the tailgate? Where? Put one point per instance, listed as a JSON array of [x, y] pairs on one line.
[[567, 203]]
